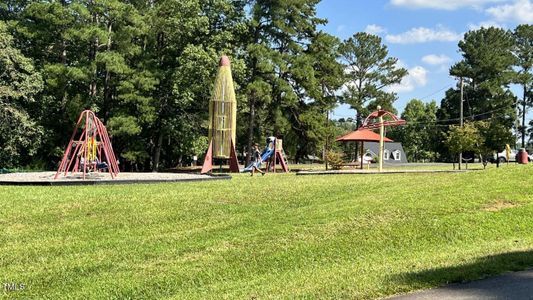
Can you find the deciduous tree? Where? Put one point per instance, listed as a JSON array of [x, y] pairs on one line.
[[20, 135]]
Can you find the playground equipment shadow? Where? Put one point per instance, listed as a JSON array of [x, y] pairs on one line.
[[47, 178]]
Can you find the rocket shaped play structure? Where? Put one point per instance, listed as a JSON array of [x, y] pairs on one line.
[[222, 120]]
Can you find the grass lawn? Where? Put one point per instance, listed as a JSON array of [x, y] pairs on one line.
[[277, 236], [421, 166]]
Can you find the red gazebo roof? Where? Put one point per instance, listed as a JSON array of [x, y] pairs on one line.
[[362, 135]]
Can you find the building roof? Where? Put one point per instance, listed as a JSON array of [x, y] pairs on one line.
[[361, 135]]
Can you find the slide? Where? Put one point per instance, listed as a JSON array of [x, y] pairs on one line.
[[267, 152]]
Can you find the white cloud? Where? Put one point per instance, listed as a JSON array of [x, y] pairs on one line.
[[520, 11], [374, 29], [485, 24], [417, 78], [341, 28], [442, 4], [424, 35], [436, 60]]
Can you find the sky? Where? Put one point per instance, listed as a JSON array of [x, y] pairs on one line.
[[422, 34]]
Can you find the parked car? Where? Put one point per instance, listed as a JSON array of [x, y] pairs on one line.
[[502, 156]]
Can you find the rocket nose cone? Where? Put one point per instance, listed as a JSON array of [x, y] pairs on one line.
[[224, 61]]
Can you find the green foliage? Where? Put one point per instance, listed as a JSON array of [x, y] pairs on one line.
[[123, 126], [20, 136], [463, 139], [487, 58], [147, 69], [495, 135], [369, 71], [199, 145], [418, 135], [19, 81], [335, 159], [487, 68], [292, 75], [523, 52]]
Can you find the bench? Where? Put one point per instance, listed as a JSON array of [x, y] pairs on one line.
[[355, 164]]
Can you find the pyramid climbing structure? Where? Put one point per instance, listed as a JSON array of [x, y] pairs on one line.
[[89, 149]]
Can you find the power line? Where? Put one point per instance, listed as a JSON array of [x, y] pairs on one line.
[[419, 98], [436, 122], [436, 92], [471, 117]]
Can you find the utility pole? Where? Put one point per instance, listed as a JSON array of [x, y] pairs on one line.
[[461, 118], [523, 129], [326, 148]]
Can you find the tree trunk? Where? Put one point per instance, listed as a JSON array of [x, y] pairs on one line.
[[107, 81], [157, 151], [300, 154], [250, 128], [357, 125], [326, 145], [162, 96], [92, 58], [64, 95]]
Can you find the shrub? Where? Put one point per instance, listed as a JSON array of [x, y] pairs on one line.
[[334, 159]]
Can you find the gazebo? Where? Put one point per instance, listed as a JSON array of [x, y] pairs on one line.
[[362, 135]]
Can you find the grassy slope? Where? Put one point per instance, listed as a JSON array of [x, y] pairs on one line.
[[346, 236]]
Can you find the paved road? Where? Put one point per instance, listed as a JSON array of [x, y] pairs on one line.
[[516, 286]]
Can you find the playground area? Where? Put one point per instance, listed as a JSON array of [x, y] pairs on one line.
[[255, 150], [47, 178]]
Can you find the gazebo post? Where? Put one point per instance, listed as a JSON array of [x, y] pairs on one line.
[[362, 153], [381, 134]]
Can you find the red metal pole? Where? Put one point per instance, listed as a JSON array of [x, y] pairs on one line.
[[110, 146], [275, 154], [112, 160], [105, 147], [85, 143], [67, 151], [74, 158]]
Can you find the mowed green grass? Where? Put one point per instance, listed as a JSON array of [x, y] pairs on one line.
[[271, 237]]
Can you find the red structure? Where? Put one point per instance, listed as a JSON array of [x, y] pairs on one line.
[[389, 119], [277, 158], [362, 135], [89, 148], [523, 157], [208, 161]]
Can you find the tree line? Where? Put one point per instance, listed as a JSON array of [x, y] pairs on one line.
[[147, 69], [493, 60]]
